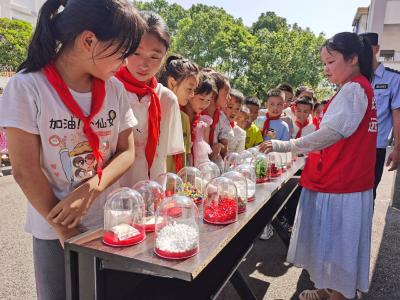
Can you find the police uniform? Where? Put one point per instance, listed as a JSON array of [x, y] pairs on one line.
[[386, 85]]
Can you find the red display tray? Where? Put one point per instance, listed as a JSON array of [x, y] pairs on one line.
[[262, 180], [251, 199], [176, 255], [110, 239]]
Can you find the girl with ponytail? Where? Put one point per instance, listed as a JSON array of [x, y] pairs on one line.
[[331, 236], [158, 133], [69, 124], [180, 75]]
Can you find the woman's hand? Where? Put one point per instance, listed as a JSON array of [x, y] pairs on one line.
[[69, 211], [266, 147]]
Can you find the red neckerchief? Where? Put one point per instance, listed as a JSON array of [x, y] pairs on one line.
[[196, 120], [317, 121], [232, 123], [293, 107], [98, 95], [267, 123], [154, 113], [301, 126], [216, 116]]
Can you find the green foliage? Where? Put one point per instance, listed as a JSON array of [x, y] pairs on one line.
[[14, 41], [255, 59], [269, 21]]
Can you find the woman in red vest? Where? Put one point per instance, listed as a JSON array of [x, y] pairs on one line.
[[332, 232]]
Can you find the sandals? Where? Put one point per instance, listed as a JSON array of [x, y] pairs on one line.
[[313, 295]]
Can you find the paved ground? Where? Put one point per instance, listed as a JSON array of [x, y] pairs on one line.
[[265, 268]]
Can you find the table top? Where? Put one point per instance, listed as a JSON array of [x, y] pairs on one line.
[[213, 238]]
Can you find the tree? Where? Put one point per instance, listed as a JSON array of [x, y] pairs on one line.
[[213, 38], [255, 59], [269, 21], [14, 41], [171, 13]]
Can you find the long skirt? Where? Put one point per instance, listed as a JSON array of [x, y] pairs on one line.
[[331, 239]]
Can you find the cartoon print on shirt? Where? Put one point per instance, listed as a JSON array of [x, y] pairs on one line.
[[271, 133], [78, 164]]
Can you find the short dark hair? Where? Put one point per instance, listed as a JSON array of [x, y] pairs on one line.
[[219, 79], [301, 89], [274, 93], [206, 85], [285, 87], [252, 100], [305, 100], [237, 94]]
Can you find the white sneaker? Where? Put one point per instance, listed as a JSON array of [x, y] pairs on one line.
[[267, 233]]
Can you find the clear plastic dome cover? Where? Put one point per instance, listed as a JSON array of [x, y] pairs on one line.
[[221, 202], [124, 214], [254, 151], [209, 170], [152, 194], [177, 228], [275, 164], [248, 172], [241, 186], [193, 184], [231, 161], [260, 164], [284, 165], [246, 156], [171, 183], [289, 159]]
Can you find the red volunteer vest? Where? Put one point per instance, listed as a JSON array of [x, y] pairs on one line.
[[347, 166]]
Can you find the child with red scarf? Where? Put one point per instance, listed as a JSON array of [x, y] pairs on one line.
[[158, 133], [181, 76], [232, 110], [204, 94], [220, 131], [318, 112], [302, 124], [69, 124], [271, 125]]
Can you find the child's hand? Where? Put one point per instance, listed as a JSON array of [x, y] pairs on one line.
[[65, 233], [266, 147], [69, 211], [216, 150]]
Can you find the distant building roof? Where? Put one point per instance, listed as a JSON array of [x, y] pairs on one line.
[[360, 12]]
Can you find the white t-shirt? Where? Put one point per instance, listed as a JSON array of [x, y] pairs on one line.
[[30, 103], [310, 128], [222, 130], [171, 135], [237, 143]]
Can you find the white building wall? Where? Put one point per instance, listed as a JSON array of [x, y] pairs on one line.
[[392, 14], [26, 10]]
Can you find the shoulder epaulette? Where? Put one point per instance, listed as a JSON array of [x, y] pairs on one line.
[[392, 70]]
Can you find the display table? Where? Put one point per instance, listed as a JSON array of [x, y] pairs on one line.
[[97, 271]]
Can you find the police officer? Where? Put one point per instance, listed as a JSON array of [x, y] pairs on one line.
[[386, 85]]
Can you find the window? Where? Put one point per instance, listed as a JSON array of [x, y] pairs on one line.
[[386, 55]]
